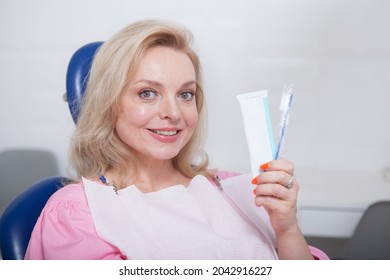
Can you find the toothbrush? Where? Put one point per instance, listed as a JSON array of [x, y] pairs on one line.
[[285, 105]]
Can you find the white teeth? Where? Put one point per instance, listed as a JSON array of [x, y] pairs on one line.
[[164, 132]]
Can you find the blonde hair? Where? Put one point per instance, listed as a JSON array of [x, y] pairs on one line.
[[95, 146]]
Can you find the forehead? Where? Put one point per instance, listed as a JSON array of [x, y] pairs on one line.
[[162, 63]]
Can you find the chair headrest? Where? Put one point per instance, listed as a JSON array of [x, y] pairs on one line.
[[77, 76]]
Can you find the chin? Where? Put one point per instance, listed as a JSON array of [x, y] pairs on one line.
[[166, 155]]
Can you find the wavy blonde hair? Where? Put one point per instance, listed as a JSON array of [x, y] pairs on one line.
[[95, 146]]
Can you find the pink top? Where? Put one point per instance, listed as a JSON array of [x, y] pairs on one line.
[[66, 229]]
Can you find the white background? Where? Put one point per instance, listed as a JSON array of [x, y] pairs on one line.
[[337, 53]]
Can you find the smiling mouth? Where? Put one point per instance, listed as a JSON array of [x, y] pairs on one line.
[[165, 132]]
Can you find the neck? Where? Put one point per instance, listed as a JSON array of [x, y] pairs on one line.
[[153, 175]]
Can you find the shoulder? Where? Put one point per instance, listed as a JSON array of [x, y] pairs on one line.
[[69, 201], [73, 192], [66, 220]]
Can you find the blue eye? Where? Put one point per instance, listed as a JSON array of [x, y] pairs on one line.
[[187, 95], [147, 94]]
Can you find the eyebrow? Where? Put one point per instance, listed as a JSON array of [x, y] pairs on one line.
[[158, 84]]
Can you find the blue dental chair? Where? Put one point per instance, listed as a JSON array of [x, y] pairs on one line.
[[20, 216]]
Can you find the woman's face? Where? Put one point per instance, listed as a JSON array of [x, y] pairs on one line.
[[158, 112]]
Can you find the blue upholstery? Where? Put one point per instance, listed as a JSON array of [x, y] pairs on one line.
[[19, 218], [77, 76]]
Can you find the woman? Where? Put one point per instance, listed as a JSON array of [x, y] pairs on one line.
[[140, 133]]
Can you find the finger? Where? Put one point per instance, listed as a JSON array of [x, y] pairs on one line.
[[280, 164], [272, 177], [276, 191], [272, 204], [280, 177]]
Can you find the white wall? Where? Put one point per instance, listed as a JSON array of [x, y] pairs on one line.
[[337, 53]]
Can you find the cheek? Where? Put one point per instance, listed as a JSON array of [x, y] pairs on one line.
[[134, 116], [192, 118], [131, 118]]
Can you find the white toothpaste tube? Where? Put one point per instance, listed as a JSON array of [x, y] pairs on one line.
[[258, 128]]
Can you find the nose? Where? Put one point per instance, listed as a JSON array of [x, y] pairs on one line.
[[169, 108]]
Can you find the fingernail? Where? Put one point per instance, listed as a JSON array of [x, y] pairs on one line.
[[254, 181], [254, 191], [264, 166]]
